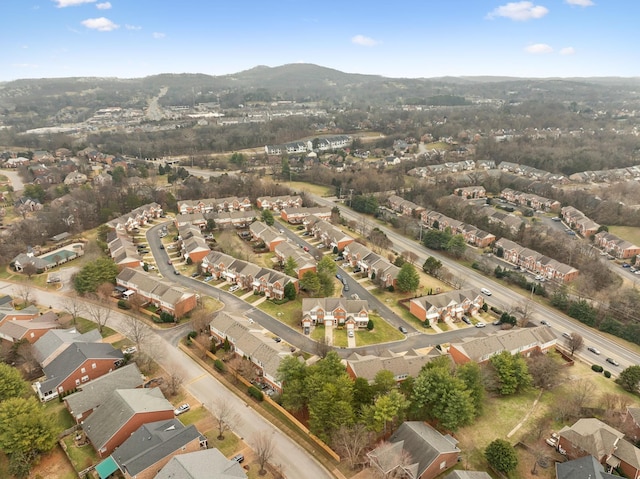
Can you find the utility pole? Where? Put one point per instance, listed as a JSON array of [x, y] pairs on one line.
[[350, 196]]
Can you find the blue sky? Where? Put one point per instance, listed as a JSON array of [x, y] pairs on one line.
[[402, 38]]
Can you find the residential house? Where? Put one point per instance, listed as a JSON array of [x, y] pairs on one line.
[[102, 179], [77, 364], [236, 219], [535, 262], [446, 307], [477, 237], [75, 178], [205, 464], [121, 414], [578, 221], [270, 236], [196, 219], [472, 235], [192, 244], [349, 313], [252, 341], [592, 437], [402, 365], [373, 265], [137, 217], [509, 221], [276, 203], [615, 246], [29, 330], [584, 467], [297, 215], [9, 313], [471, 475], [404, 207], [415, 451], [55, 341], [164, 295], [94, 393], [150, 448], [122, 250], [632, 423], [333, 142], [523, 341], [329, 235], [471, 192], [304, 261], [532, 201], [23, 259], [218, 205]]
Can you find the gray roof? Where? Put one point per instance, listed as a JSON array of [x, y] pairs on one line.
[[74, 355], [152, 442], [95, 392], [582, 468], [399, 364], [117, 411], [17, 329], [468, 475], [206, 464], [53, 342]]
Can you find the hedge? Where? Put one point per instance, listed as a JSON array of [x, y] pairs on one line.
[[597, 368], [256, 393]]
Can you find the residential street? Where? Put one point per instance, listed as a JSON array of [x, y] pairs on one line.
[[296, 463]]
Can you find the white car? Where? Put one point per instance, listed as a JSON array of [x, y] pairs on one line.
[[181, 409], [485, 291], [234, 288], [480, 325], [130, 350]]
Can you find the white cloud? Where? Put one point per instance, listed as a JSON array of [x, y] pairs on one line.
[[580, 3], [133, 27], [364, 41], [538, 48], [103, 6], [101, 24], [158, 35], [567, 51], [71, 3], [519, 11]]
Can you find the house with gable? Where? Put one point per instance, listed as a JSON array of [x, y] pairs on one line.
[[446, 307], [304, 261], [121, 414], [276, 203], [191, 243], [136, 218], [297, 215], [415, 451], [583, 467], [30, 330], [349, 313], [328, 234], [267, 234], [470, 192], [94, 393], [53, 342], [615, 246], [404, 207], [373, 265], [122, 250], [578, 221], [234, 218], [592, 437], [402, 365], [150, 448], [205, 464], [523, 341], [77, 364]]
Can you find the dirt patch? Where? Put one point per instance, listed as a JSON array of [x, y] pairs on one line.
[[55, 464]]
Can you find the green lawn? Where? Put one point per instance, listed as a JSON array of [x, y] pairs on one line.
[[290, 313], [253, 298], [382, 332], [83, 325], [81, 456], [59, 412], [311, 188], [193, 415], [317, 333], [629, 233], [228, 446]]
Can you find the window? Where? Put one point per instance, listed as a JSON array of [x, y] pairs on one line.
[[83, 370], [77, 382], [443, 464], [84, 379], [93, 366]]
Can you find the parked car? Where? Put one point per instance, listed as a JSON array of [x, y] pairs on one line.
[[130, 350], [357, 270], [626, 265], [277, 339], [480, 325], [403, 330], [207, 279], [168, 261], [175, 271], [544, 322], [306, 248], [566, 335], [485, 291], [632, 269], [195, 275], [234, 288], [556, 218], [593, 350], [350, 333], [181, 409], [497, 322], [339, 277], [613, 361], [346, 287], [466, 320], [239, 458], [552, 442], [355, 296]]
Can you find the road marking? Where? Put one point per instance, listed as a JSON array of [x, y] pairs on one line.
[[195, 380]]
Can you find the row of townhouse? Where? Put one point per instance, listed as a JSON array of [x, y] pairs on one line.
[[528, 199], [329, 235], [446, 307], [162, 294], [247, 275], [472, 235], [251, 341], [373, 265], [444, 168], [509, 221], [298, 215], [122, 250], [603, 176], [191, 243], [305, 262], [321, 144], [404, 207], [535, 262], [530, 172], [276, 203], [523, 341], [136, 218], [615, 246], [402, 365], [224, 219], [470, 192], [270, 236], [232, 203], [578, 221], [336, 312]]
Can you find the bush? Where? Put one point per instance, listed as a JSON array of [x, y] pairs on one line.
[[391, 289], [219, 365], [166, 317], [122, 304], [255, 393], [607, 374], [597, 368], [192, 334], [370, 325]]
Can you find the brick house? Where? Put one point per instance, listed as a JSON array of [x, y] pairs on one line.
[[615, 246], [122, 250], [235, 219], [480, 349], [352, 313], [209, 205], [77, 364], [121, 414], [191, 243], [329, 235], [276, 203], [402, 365], [470, 192], [29, 330], [267, 234], [528, 199], [373, 265], [578, 221], [404, 207], [304, 261], [446, 307], [429, 452], [297, 215], [137, 217]]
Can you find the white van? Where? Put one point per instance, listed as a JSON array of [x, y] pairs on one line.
[[485, 291], [127, 294]]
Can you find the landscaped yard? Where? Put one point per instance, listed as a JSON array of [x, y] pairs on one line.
[[81, 456], [382, 332], [228, 446], [83, 325], [290, 313], [629, 233], [311, 188]]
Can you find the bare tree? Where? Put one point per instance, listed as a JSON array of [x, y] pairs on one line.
[[580, 393], [135, 329], [242, 367], [352, 442], [391, 467], [24, 293], [104, 291], [525, 310], [575, 342], [200, 320], [263, 445], [225, 416], [29, 269], [544, 371], [73, 306], [322, 347], [137, 301], [99, 312], [409, 256], [174, 382]]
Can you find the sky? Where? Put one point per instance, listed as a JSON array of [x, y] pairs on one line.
[[401, 38]]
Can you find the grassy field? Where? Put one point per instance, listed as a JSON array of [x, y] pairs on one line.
[[311, 188], [629, 233], [81, 456], [382, 332], [290, 313]]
